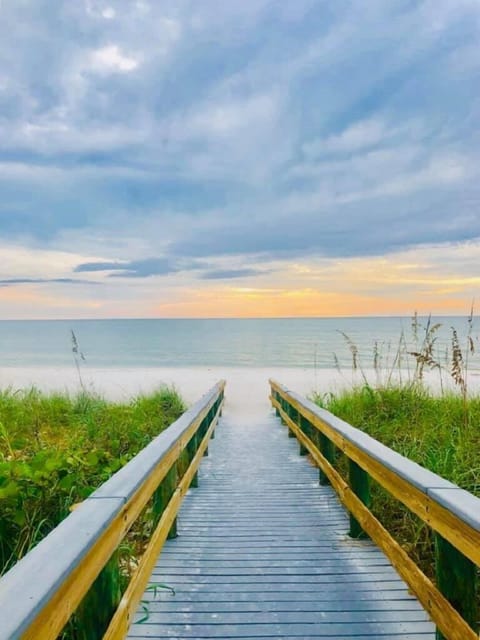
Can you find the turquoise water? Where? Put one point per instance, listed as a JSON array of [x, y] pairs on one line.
[[309, 343]]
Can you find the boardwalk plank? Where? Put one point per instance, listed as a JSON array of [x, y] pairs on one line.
[[285, 617], [281, 630], [262, 552]]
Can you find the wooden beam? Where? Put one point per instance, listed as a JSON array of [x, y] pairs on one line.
[[456, 530], [448, 620], [37, 608], [128, 605]]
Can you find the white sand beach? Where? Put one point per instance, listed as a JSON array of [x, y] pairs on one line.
[[245, 386]]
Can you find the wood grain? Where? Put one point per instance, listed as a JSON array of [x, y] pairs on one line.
[[443, 614], [54, 614], [458, 532], [121, 620]]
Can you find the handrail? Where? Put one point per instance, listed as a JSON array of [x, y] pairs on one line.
[[453, 513], [40, 593]]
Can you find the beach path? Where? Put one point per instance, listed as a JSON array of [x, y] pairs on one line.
[[263, 552]]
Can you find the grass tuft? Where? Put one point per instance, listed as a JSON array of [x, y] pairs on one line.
[[56, 449], [438, 430]]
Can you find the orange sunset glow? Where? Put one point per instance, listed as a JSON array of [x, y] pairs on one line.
[[238, 159]]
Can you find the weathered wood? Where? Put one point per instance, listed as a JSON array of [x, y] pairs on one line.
[[121, 620], [459, 503], [192, 448], [448, 620], [93, 615], [162, 497], [262, 553], [142, 470], [303, 425], [360, 484], [417, 488], [290, 412], [456, 579], [328, 451], [43, 590], [395, 631]]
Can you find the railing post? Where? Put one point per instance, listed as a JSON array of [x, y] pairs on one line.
[[276, 397], [206, 425], [171, 488], [214, 411], [192, 447], [289, 411], [283, 405], [456, 579], [303, 425], [93, 615], [292, 414], [162, 497], [328, 452], [360, 485]]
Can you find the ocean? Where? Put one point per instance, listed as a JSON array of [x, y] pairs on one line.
[[316, 343]]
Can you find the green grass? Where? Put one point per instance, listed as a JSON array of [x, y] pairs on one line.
[[56, 449], [441, 433]]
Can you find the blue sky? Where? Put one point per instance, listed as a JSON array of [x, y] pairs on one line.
[[238, 158]]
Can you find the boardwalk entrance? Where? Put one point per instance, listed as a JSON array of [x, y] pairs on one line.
[[263, 552], [262, 548]]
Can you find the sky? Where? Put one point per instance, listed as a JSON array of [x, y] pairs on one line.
[[217, 158]]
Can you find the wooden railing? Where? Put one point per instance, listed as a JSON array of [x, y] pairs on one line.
[[453, 514], [74, 562]]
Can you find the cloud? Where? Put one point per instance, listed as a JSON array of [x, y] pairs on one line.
[[108, 13], [8, 282], [112, 59], [211, 135], [131, 269], [229, 274], [359, 135], [227, 119], [162, 267]]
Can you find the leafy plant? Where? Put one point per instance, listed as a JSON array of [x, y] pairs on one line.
[[58, 449]]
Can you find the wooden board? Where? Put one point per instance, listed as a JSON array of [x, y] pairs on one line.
[[438, 502], [263, 552], [443, 614], [38, 596]]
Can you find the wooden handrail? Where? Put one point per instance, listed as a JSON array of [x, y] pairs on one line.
[[40, 593], [450, 511]]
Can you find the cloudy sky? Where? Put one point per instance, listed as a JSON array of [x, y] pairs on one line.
[[171, 158]]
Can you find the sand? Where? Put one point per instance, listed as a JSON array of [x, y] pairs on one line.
[[245, 386]]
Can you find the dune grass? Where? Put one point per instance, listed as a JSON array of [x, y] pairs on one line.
[[441, 432], [56, 449], [437, 427], [428, 429]]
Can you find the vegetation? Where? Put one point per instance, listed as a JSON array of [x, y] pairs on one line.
[[425, 428], [437, 429], [56, 449]]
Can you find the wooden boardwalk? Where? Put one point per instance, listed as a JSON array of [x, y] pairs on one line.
[[262, 552]]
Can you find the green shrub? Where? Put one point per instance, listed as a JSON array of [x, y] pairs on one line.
[[56, 449]]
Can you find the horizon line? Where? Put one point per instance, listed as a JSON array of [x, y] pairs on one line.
[[339, 317]]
